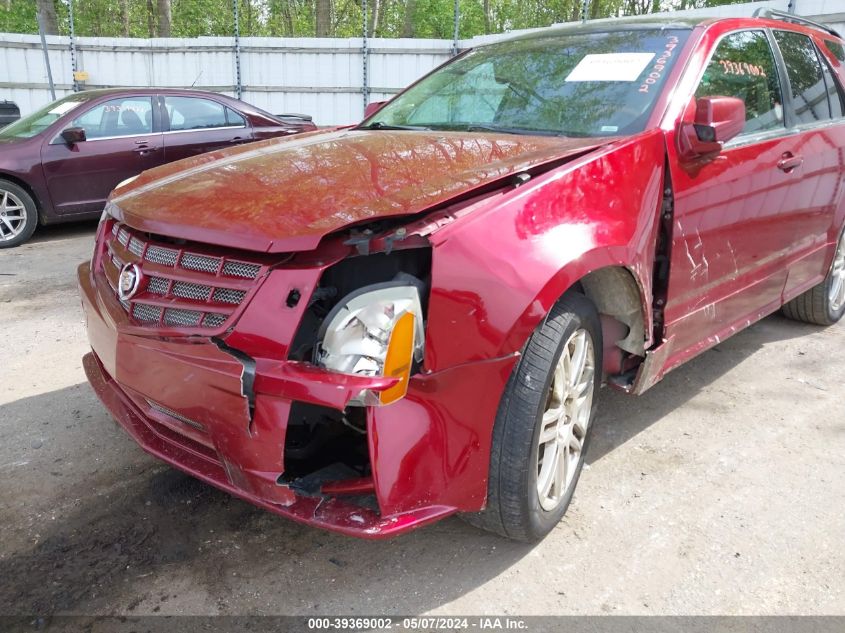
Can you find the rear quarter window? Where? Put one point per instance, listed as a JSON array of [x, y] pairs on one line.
[[836, 48], [815, 95]]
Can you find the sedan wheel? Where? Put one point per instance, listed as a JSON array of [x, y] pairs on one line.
[[565, 420], [18, 215], [12, 215]]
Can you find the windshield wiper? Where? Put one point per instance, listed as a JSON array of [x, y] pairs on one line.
[[378, 125], [514, 130]]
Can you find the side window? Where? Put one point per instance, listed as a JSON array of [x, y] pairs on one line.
[[233, 118], [743, 66], [834, 90], [809, 92], [836, 48], [194, 113], [119, 117]]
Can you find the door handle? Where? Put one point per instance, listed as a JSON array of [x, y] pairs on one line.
[[143, 150], [789, 162]]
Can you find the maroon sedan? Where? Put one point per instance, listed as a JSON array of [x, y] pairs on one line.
[[373, 328], [61, 162]]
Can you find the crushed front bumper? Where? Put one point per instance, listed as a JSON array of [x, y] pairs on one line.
[[183, 401]]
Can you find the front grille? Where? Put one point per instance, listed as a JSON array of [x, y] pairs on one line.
[[146, 313], [183, 318], [213, 319], [187, 290], [200, 262], [241, 269], [136, 246], [227, 295], [158, 285], [181, 287], [163, 256]]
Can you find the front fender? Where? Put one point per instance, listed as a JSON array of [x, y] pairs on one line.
[[497, 273]]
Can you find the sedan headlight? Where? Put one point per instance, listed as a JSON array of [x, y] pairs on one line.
[[375, 331]]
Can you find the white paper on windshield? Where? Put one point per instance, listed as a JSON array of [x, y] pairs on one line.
[[67, 106], [610, 67]]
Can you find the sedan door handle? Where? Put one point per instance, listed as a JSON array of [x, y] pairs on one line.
[[789, 162], [143, 150]]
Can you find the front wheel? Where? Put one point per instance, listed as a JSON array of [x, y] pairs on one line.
[[543, 425], [823, 304]]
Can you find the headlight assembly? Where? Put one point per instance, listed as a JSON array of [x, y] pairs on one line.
[[375, 331]]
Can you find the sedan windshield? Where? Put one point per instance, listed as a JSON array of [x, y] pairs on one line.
[[42, 119], [589, 84]]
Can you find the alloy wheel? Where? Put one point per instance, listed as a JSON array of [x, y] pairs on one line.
[[837, 273], [565, 419], [12, 215]]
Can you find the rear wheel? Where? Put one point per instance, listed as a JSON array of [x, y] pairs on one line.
[[543, 425], [18, 215], [823, 304]]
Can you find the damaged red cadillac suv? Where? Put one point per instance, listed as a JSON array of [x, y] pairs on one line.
[[373, 328]]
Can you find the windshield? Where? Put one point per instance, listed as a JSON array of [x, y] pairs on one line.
[[42, 119], [590, 84]]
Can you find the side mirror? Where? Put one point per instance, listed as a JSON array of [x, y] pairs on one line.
[[717, 120], [372, 108], [73, 135]]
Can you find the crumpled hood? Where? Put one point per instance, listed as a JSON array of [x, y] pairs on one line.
[[287, 194]]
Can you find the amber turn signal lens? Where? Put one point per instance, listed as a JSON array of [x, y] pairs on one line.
[[399, 358]]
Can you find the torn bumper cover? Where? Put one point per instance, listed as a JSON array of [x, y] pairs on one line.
[[184, 401]]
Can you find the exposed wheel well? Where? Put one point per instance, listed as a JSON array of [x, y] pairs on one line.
[[25, 186], [617, 296]]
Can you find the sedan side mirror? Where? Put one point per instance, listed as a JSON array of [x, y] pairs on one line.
[[372, 108], [73, 135], [717, 120]]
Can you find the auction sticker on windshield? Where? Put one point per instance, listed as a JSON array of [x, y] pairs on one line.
[[64, 107], [610, 67]]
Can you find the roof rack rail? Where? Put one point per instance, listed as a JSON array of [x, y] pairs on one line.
[[764, 12]]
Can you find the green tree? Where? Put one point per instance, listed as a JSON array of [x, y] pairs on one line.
[[307, 18]]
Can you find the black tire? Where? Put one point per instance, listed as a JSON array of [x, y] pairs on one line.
[[30, 211], [513, 506], [816, 305]]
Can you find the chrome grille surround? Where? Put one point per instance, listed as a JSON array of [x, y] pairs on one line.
[[182, 287]]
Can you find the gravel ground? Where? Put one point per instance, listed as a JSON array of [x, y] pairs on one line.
[[718, 492]]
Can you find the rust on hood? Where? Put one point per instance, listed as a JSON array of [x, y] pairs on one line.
[[287, 194]]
